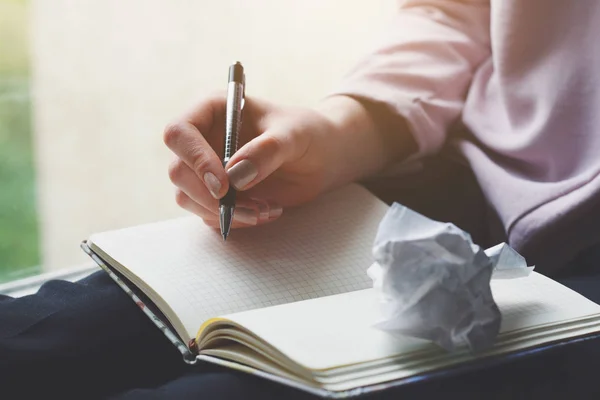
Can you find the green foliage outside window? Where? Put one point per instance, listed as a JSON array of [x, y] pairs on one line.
[[19, 237]]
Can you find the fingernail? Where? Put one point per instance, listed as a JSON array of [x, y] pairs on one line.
[[241, 174], [275, 211], [212, 184], [245, 216]]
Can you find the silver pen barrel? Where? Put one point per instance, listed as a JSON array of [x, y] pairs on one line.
[[233, 124], [235, 105]]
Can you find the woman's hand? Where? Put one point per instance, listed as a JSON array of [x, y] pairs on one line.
[[287, 156]]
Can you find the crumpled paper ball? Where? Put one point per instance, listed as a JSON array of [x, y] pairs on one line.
[[434, 282]]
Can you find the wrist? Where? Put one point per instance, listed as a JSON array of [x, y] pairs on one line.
[[346, 115], [361, 139]]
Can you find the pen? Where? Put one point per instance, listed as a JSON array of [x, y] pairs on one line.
[[236, 89]]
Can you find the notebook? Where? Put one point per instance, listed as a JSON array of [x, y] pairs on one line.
[[291, 301]]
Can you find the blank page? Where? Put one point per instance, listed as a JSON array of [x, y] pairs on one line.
[[346, 336], [320, 249]]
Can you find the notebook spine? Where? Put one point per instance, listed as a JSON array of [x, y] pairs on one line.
[[189, 354]]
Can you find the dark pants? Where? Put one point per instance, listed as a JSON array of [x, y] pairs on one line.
[[88, 340]]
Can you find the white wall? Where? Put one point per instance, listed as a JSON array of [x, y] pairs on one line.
[[109, 74]]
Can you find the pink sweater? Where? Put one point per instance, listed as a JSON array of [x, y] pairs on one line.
[[524, 76]]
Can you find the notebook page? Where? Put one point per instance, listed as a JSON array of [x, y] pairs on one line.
[[321, 249], [337, 330]]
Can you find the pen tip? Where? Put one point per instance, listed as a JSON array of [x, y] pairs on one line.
[[224, 236]]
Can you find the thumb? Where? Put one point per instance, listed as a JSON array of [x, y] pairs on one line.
[[262, 156]]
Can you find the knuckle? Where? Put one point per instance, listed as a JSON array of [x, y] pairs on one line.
[[181, 198], [201, 162], [172, 133], [272, 144], [176, 170]]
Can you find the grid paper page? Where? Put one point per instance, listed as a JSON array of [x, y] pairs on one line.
[[321, 249]]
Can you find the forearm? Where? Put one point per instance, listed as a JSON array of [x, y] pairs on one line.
[[365, 138]]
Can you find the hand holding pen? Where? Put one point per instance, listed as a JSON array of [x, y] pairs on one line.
[[286, 157]]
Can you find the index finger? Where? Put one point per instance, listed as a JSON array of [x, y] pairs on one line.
[[185, 138]]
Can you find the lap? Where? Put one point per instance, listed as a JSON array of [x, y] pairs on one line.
[[81, 338], [212, 382], [554, 374]]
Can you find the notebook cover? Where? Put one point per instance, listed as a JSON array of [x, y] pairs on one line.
[[189, 357]]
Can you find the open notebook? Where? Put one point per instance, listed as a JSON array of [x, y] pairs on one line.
[[291, 300]]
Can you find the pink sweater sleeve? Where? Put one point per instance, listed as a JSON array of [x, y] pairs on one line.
[[423, 67]]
